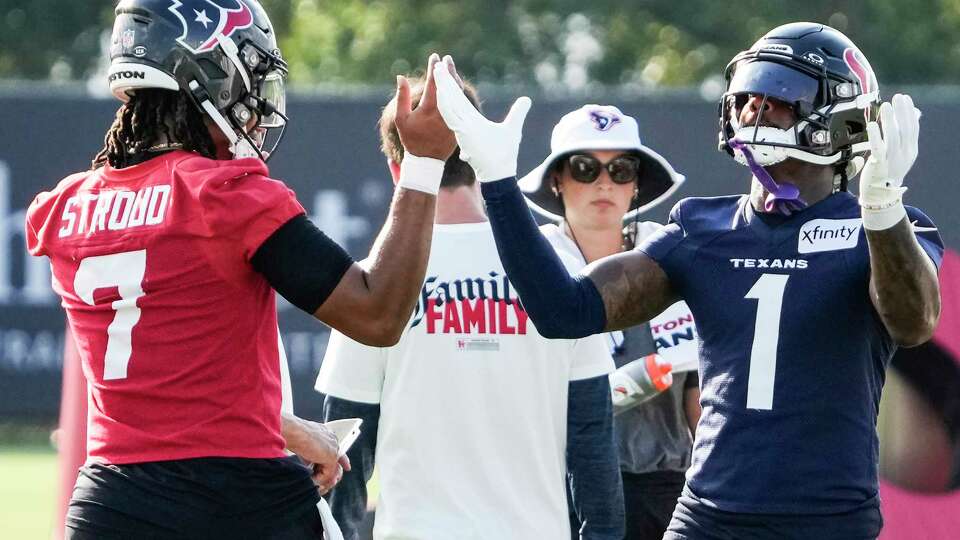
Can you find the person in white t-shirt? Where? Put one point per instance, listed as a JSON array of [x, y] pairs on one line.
[[473, 419], [598, 177]]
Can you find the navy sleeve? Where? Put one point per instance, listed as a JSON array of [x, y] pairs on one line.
[[348, 500], [927, 235], [560, 305], [592, 461]]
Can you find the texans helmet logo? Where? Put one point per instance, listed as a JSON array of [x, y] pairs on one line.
[[861, 68], [604, 120], [205, 20]]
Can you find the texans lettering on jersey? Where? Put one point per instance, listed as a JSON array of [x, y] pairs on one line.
[[176, 331], [792, 353]]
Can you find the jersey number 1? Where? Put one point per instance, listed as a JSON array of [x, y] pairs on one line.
[[124, 271], [768, 292]]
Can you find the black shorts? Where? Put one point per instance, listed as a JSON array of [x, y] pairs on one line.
[[204, 498], [694, 520]]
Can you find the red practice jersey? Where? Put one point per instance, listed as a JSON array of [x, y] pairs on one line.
[[176, 330]]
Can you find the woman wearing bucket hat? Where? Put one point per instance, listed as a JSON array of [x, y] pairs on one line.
[[597, 178]]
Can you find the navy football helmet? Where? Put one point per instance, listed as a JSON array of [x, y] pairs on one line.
[[826, 80], [222, 53]]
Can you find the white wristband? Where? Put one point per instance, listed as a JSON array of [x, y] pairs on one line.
[[421, 173], [882, 219]]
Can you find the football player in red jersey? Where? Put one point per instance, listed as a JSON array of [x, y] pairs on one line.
[[167, 255]]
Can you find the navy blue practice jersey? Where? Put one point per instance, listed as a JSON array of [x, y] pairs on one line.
[[792, 352]]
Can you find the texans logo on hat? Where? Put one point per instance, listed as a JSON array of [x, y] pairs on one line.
[[603, 120]]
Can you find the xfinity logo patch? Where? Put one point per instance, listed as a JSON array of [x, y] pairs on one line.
[[124, 75], [819, 235]]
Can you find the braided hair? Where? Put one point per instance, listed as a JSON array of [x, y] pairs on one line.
[[154, 120]]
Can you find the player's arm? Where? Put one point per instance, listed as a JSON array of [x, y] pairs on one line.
[[903, 284], [592, 460], [373, 304], [348, 500], [634, 288], [614, 293], [904, 287], [370, 303]]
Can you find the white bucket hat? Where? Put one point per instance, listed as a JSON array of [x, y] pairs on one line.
[[600, 127]]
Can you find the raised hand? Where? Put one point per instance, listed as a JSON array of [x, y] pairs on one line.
[[490, 148], [892, 153], [422, 130]]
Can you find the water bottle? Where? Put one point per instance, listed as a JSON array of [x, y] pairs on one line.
[[639, 381]]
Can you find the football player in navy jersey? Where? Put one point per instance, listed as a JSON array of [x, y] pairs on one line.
[[801, 290]]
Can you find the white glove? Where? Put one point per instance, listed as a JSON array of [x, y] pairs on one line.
[[891, 156], [490, 148]]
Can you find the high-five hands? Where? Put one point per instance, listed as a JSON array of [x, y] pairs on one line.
[[490, 148], [422, 130], [892, 153], [427, 142]]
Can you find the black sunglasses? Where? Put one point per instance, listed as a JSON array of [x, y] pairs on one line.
[[585, 168]]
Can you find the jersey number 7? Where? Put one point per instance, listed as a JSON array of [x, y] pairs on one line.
[[124, 271], [768, 292]]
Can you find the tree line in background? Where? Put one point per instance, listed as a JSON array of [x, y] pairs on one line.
[[550, 44]]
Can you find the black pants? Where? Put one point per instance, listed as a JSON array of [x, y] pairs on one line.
[[649, 500], [308, 528], [693, 520], [206, 498]]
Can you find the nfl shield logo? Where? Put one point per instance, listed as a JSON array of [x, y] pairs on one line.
[[128, 38]]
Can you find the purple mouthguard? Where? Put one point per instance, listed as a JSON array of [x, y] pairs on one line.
[[782, 198]]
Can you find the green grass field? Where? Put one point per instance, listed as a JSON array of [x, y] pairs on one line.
[[28, 487], [28, 490]]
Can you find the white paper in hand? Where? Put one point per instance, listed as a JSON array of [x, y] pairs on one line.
[[346, 430], [331, 529]]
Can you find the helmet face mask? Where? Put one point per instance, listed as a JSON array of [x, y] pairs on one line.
[[821, 75], [222, 53]]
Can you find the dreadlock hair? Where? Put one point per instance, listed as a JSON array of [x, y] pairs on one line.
[[154, 117]]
